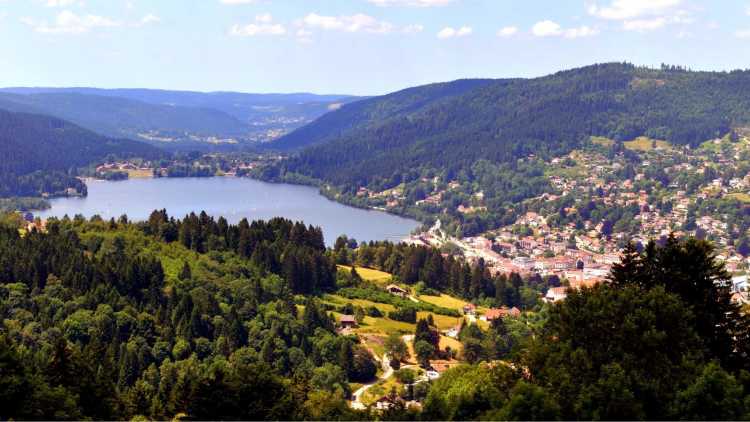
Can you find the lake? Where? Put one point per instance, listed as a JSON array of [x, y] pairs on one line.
[[235, 199]]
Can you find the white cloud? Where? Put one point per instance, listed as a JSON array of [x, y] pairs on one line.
[[304, 35], [644, 25], [412, 29], [507, 31], [263, 26], [631, 9], [580, 32], [149, 19], [449, 32], [546, 28], [60, 3], [264, 18], [747, 10], [743, 33], [353, 23], [236, 2], [410, 3], [67, 22]]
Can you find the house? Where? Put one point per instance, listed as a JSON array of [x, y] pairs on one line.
[[470, 309], [348, 321], [555, 294], [495, 313], [395, 290]]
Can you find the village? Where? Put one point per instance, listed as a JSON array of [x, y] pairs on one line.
[[560, 235]]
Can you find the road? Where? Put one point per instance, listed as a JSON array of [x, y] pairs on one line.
[[385, 363], [356, 402]]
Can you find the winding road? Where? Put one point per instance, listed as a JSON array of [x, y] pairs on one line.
[[356, 402]]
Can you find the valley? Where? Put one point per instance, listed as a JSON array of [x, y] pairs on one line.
[[488, 249]]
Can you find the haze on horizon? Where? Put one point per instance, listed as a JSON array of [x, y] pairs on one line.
[[361, 47]]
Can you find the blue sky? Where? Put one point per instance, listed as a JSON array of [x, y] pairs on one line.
[[352, 46]]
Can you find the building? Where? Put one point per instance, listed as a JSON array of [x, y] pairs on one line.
[[470, 309], [555, 294], [395, 290], [499, 313], [348, 321]]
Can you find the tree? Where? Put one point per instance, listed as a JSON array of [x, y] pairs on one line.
[[395, 347], [592, 349], [330, 377], [424, 332], [529, 402], [689, 270], [424, 352], [714, 395], [405, 376], [359, 314], [185, 273]]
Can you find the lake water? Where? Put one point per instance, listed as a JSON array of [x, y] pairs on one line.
[[233, 198]]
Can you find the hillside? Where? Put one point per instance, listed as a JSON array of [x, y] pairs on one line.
[[32, 143], [383, 140], [120, 117], [370, 112], [158, 115]]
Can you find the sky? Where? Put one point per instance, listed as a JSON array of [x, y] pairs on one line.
[[362, 47]]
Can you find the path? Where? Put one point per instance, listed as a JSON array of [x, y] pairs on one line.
[[356, 402], [385, 363]]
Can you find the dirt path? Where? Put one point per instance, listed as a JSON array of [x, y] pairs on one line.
[[356, 402], [385, 363]]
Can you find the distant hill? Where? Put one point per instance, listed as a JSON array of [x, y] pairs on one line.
[[383, 140], [118, 117], [369, 113], [181, 116], [42, 146]]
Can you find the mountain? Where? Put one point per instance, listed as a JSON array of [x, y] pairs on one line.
[[389, 139], [176, 118], [118, 117], [368, 113], [37, 151]]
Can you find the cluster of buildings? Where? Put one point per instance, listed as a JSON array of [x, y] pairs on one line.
[[583, 252]]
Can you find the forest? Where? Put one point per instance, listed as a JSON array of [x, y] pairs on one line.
[[382, 142], [41, 154], [200, 319]]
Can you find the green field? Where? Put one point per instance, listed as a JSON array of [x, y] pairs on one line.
[[445, 301], [368, 274], [340, 300], [643, 143]]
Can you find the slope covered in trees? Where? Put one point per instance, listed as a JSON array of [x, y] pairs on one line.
[[382, 140], [121, 117], [110, 320], [205, 320], [39, 153]]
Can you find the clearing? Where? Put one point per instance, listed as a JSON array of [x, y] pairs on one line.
[[643, 143], [368, 274]]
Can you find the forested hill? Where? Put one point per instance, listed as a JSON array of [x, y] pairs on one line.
[[32, 143], [384, 138], [365, 114], [122, 117]]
